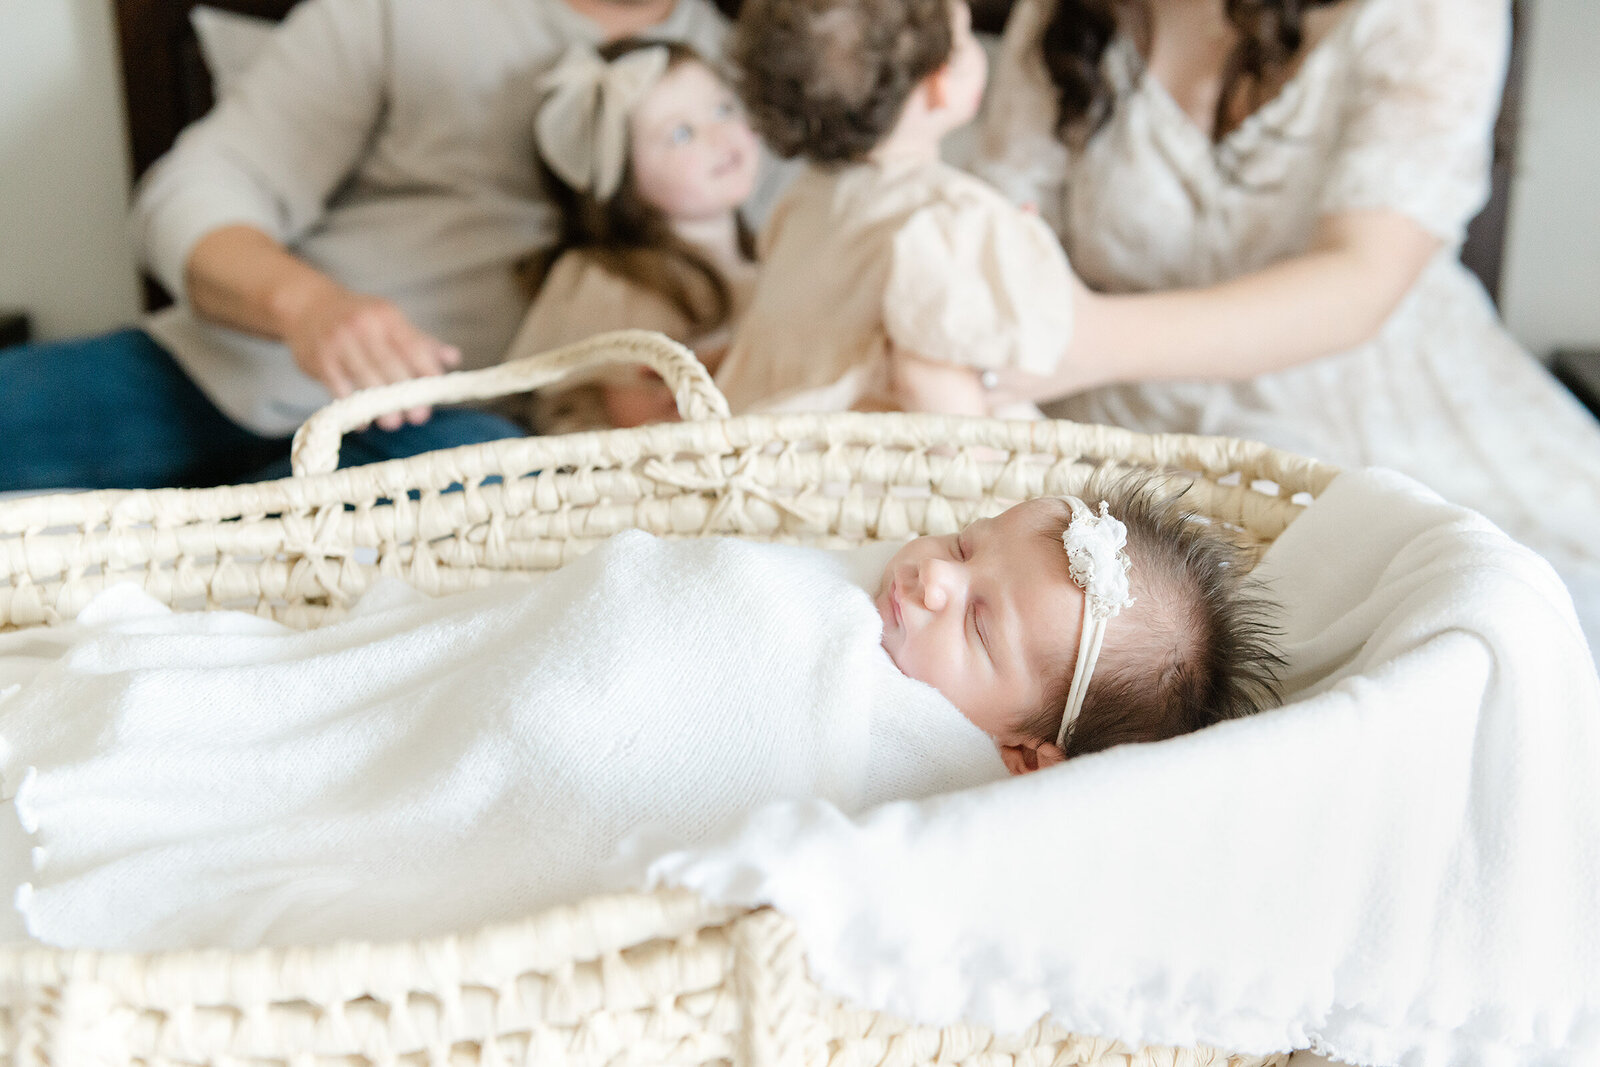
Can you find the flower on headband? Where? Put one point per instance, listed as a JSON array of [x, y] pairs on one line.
[[582, 126], [1097, 556]]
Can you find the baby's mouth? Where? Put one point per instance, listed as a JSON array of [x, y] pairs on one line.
[[888, 610]]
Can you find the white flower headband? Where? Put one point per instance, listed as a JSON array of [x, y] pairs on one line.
[[582, 126], [1098, 560]]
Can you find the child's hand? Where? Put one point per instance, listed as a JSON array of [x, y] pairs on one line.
[[635, 403], [712, 357], [918, 384]]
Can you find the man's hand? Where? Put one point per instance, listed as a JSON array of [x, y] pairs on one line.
[[349, 341], [242, 277]]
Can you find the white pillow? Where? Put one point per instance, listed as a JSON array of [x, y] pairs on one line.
[[228, 42]]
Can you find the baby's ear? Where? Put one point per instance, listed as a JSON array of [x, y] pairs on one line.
[[1030, 756]]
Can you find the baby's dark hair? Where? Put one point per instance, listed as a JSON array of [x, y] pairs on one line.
[[828, 79], [1196, 647]]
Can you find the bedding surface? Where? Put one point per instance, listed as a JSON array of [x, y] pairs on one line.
[[427, 765], [1397, 867]]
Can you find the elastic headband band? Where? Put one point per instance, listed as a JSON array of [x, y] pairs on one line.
[[1098, 561]]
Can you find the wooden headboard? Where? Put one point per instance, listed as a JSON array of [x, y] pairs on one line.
[[167, 87]]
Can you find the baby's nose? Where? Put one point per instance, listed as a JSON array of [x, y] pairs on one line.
[[935, 579]]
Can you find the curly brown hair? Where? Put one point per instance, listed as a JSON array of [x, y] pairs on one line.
[[1196, 647], [1270, 35], [828, 79]]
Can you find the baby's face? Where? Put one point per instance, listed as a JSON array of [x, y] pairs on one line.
[[694, 155], [983, 615]]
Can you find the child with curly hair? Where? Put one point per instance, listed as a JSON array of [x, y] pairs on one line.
[[889, 279]]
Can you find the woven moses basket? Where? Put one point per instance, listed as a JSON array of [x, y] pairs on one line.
[[658, 978]]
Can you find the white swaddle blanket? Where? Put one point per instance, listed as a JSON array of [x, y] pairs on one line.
[[427, 765], [1401, 866]]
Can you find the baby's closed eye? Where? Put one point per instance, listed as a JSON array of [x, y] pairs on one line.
[[979, 631]]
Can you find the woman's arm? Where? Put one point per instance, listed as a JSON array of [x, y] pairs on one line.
[[1333, 297]]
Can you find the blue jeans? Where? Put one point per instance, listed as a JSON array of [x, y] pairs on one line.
[[116, 412]]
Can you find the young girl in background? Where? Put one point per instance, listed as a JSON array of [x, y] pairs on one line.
[[648, 157], [889, 279]]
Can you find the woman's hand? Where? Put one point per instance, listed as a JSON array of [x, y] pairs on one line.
[[917, 384], [1011, 388]]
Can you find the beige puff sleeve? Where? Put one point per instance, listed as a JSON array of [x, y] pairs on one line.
[[1426, 86], [578, 299], [980, 283]]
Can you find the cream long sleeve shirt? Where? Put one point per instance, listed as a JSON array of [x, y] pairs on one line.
[[389, 143]]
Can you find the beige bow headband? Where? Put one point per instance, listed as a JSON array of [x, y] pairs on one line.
[[582, 125], [1098, 562]]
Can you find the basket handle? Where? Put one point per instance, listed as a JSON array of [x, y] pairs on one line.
[[316, 443]]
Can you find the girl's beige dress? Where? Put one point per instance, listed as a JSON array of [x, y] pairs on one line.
[[580, 298], [1392, 109], [857, 259]]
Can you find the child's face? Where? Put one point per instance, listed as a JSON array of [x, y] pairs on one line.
[[694, 155], [984, 616]]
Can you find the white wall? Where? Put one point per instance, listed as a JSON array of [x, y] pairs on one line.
[[64, 255], [1551, 293], [63, 175]]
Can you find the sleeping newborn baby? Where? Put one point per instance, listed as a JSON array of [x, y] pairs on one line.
[[1058, 653], [427, 765]]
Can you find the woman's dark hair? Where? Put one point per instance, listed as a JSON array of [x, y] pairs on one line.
[[635, 240], [828, 79], [1270, 35]]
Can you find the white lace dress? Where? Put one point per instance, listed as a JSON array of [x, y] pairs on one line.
[[1392, 109]]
